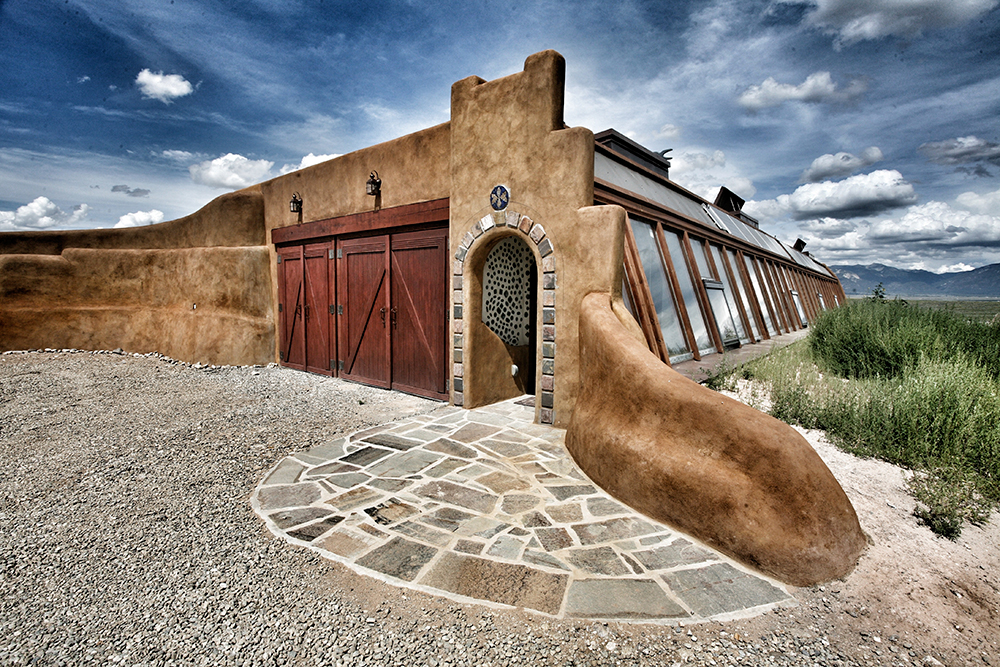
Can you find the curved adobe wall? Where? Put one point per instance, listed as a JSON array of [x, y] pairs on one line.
[[194, 289], [740, 480]]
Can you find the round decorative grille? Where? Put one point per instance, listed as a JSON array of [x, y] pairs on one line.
[[507, 291]]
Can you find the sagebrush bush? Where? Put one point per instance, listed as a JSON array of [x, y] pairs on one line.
[[883, 381], [876, 338]]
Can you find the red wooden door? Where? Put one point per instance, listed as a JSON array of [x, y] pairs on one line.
[[291, 302], [317, 308], [363, 294], [418, 311]]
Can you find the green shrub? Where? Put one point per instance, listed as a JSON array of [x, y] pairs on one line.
[[939, 412], [879, 338], [946, 497]]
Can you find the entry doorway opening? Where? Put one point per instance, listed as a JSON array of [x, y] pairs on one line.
[[510, 306]]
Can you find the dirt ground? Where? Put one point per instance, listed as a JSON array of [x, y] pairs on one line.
[[913, 599], [912, 591]]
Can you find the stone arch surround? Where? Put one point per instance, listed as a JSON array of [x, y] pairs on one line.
[[533, 234]]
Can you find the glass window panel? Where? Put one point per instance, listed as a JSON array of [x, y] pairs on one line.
[[659, 288], [734, 263], [628, 301], [723, 315], [701, 337], [760, 295], [699, 258], [822, 304], [728, 291], [799, 308]]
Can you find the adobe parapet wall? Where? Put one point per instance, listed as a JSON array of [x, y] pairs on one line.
[[194, 288]]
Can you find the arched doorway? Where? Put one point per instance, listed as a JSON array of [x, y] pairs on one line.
[[509, 305]]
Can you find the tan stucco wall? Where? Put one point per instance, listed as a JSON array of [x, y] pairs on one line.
[[137, 288], [511, 132], [742, 481]]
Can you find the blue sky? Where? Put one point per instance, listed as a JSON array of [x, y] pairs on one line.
[[869, 128]]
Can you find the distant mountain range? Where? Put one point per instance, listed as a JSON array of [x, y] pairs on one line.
[[857, 280]]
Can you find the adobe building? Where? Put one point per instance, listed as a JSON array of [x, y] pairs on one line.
[[498, 254]]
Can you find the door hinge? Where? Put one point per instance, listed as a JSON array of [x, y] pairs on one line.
[[279, 307], [332, 311], [447, 384], [340, 253], [279, 259], [331, 253], [281, 356], [340, 309], [333, 364], [340, 365]]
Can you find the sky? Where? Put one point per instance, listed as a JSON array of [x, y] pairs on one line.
[[868, 128]]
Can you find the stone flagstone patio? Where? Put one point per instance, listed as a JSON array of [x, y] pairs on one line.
[[485, 506]]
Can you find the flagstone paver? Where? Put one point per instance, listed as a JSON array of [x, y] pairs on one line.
[[485, 505]]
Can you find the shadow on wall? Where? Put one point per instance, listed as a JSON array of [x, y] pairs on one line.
[[741, 481], [195, 288]]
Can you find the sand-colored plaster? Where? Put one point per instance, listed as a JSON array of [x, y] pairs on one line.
[[510, 131], [738, 479], [195, 304]]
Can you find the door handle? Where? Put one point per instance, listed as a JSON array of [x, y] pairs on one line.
[[381, 312], [392, 314]]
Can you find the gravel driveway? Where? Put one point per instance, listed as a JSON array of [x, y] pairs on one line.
[[126, 536]]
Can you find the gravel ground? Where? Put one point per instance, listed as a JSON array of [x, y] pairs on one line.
[[126, 537]]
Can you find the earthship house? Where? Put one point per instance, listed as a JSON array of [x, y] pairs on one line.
[[498, 254]]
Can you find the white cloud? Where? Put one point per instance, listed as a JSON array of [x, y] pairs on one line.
[[937, 223], [841, 164], [139, 218], [988, 203], [669, 131], [954, 268], [41, 214], [829, 227], [855, 20], [688, 162], [181, 157], [231, 171], [856, 196], [83, 79], [308, 161], [703, 172], [163, 87], [818, 87]]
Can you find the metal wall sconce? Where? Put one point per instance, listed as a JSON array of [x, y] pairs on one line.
[[374, 185], [295, 206]]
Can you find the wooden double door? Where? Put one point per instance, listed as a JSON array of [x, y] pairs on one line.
[[373, 309]]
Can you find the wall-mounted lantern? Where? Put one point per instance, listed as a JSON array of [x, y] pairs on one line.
[[295, 206], [374, 185]]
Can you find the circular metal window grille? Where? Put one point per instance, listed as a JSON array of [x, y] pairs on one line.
[[507, 291]]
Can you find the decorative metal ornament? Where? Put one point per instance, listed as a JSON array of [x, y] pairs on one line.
[[499, 198]]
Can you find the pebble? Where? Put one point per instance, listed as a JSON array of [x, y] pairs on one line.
[[127, 537]]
